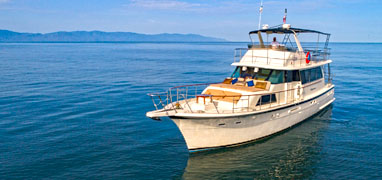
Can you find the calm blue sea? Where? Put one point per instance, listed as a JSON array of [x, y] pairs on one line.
[[77, 111]]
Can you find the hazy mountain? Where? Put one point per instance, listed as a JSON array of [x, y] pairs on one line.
[[99, 36]]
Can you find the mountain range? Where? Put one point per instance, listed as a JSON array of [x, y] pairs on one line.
[[100, 36]]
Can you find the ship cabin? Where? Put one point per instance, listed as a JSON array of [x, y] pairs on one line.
[[275, 72]]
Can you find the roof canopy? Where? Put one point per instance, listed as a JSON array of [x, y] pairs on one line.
[[281, 30]]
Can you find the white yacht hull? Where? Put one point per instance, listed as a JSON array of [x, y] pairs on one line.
[[207, 133]]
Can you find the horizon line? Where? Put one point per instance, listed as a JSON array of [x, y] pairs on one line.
[[174, 33], [79, 42]]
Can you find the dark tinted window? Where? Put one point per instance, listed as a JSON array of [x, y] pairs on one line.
[[267, 99], [309, 75], [296, 75], [313, 74], [292, 76], [288, 76], [305, 74], [319, 73]]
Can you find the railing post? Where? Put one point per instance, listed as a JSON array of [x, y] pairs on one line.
[[154, 103], [160, 100], [189, 106], [233, 105], [252, 55], [167, 97], [234, 56], [186, 92], [293, 97], [170, 95], [248, 104]]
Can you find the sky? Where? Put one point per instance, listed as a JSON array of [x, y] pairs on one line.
[[346, 20]]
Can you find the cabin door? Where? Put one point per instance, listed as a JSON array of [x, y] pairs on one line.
[[290, 92]]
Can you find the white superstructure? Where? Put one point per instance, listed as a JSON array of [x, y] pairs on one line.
[[273, 87]]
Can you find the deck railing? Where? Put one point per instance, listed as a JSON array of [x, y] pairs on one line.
[[317, 54], [172, 99]]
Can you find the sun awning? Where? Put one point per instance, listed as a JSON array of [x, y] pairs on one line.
[[280, 30]]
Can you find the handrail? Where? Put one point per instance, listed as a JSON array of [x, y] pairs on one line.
[[270, 93], [175, 87], [192, 85], [170, 105], [318, 54]]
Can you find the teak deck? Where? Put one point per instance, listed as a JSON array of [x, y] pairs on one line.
[[239, 88]]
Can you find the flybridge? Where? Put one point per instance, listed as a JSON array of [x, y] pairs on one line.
[[290, 53], [287, 30]]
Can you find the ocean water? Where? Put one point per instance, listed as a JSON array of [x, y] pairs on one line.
[[77, 111]]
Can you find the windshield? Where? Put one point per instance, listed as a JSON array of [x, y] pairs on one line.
[[272, 75]]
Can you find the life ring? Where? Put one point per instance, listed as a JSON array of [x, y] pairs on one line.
[[308, 57]]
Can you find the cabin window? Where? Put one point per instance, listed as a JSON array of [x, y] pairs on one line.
[[313, 74], [272, 75], [276, 77], [263, 74], [296, 75], [305, 76], [236, 73], [247, 73], [288, 76], [319, 73], [291, 76], [310, 75], [266, 99]]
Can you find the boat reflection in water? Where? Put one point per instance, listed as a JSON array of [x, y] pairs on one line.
[[291, 154]]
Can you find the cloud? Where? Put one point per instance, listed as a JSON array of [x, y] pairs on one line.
[[163, 4]]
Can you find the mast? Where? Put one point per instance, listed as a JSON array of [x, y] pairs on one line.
[[261, 11]]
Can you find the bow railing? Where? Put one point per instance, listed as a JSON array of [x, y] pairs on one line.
[[181, 98]]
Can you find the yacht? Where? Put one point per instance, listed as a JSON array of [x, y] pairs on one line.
[[273, 87]]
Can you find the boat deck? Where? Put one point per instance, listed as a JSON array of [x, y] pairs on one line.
[[238, 88]]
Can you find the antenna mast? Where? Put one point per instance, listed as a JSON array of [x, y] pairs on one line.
[[261, 11]]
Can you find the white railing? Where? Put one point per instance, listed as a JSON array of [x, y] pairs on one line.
[[176, 96], [290, 56]]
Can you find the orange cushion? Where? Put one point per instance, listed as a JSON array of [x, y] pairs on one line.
[[261, 85], [227, 81]]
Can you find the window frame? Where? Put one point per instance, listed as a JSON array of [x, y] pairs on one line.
[[313, 73], [271, 99]]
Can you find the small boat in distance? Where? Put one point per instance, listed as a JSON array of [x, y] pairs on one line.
[[273, 87]]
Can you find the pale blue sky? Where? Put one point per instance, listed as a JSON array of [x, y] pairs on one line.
[[346, 20]]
